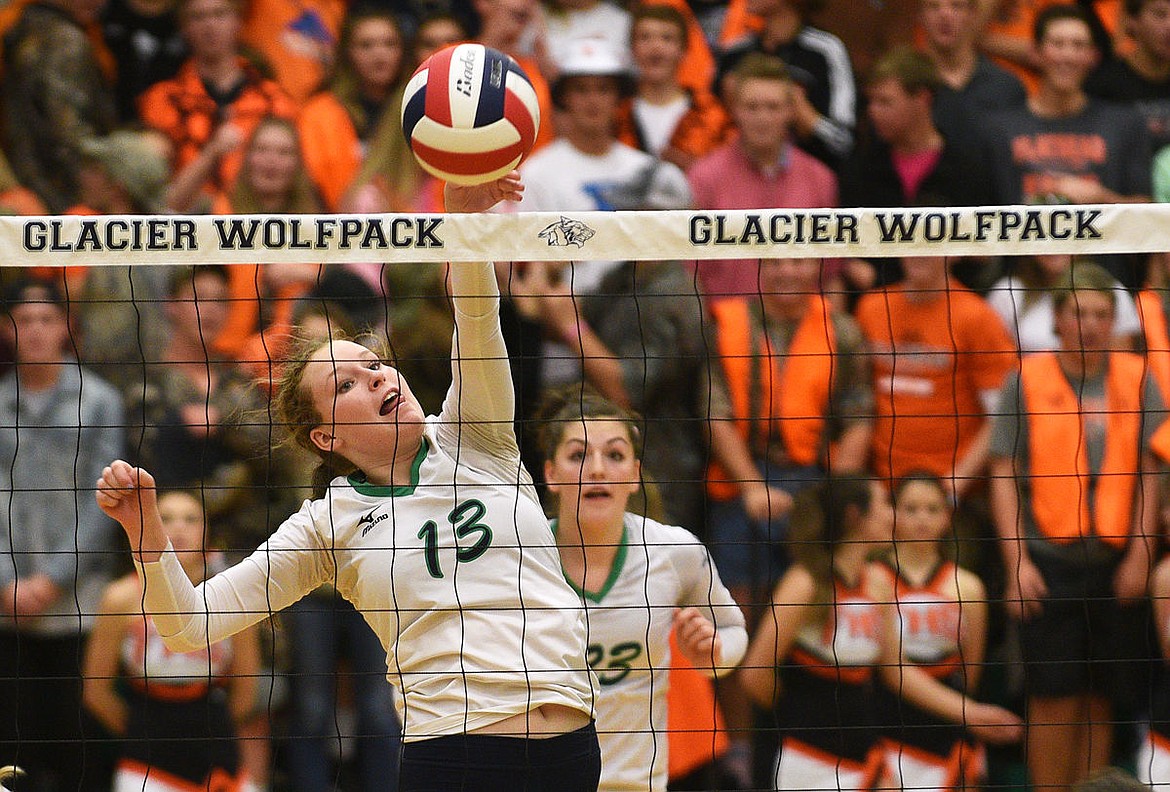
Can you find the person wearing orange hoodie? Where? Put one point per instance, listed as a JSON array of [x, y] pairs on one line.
[[665, 118], [298, 39], [216, 92], [337, 123]]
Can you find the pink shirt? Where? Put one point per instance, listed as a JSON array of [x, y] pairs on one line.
[[912, 169], [727, 179]]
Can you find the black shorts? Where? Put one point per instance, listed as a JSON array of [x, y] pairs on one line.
[[187, 739], [1084, 640], [491, 763]]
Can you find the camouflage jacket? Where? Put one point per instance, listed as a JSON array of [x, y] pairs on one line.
[[55, 95]]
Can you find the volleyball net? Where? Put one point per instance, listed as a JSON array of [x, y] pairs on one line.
[[201, 413]]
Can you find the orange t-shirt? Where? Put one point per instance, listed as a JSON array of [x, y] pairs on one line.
[[932, 361]]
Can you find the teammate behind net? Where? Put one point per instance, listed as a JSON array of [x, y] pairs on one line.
[[638, 579]]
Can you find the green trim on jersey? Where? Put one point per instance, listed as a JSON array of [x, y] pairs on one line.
[[615, 571], [376, 491]]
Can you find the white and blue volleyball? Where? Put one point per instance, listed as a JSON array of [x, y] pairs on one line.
[[470, 114]]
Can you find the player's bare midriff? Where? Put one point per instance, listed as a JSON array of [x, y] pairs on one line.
[[547, 720]]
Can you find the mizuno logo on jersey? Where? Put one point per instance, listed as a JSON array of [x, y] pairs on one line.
[[367, 521]]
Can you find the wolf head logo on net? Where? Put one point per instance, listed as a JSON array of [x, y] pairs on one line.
[[566, 232]]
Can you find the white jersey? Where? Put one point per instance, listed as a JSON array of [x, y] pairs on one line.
[[458, 574], [658, 568]]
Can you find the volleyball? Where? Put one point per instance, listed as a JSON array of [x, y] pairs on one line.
[[469, 114]]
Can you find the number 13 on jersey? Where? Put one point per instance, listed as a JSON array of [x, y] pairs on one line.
[[472, 537]]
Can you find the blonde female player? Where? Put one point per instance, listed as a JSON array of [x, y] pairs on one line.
[[434, 531], [937, 622], [637, 578], [176, 713]]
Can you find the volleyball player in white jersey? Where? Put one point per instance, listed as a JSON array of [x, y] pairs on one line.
[[434, 532], [637, 578]]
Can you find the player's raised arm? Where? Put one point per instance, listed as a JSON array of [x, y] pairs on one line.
[[481, 376], [474, 290]]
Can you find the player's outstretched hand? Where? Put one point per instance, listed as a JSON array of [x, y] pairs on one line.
[[460, 198], [127, 494]]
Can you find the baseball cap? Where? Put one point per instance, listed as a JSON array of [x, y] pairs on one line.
[[590, 57]]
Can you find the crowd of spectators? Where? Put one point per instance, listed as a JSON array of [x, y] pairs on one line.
[[754, 380]]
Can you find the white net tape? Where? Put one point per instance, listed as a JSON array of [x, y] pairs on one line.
[[776, 233]]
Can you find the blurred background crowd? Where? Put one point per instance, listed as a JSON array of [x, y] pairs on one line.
[[754, 379]]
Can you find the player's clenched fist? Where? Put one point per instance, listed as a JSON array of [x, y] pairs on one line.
[[698, 639], [120, 489], [127, 494]]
